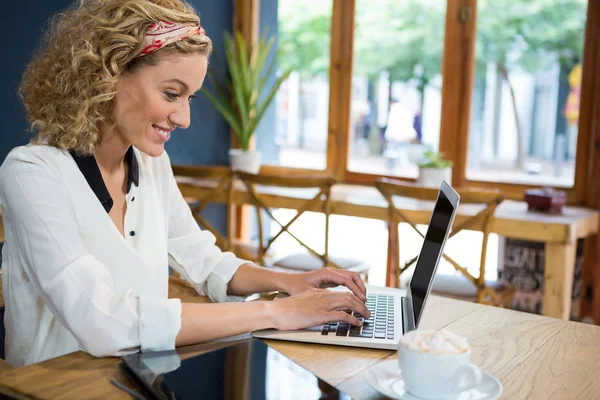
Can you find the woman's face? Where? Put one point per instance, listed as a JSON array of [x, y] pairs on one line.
[[154, 100]]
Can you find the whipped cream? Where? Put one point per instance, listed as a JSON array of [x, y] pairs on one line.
[[434, 342]]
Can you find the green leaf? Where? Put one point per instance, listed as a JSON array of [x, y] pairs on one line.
[[226, 111], [270, 70], [432, 159], [222, 102], [264, 49], [257, 61], [238, 100], [244, 67], [237, 77], [219, 88], [265, 104]]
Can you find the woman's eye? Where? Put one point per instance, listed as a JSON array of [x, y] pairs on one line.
[[172, 96], [192, 97]]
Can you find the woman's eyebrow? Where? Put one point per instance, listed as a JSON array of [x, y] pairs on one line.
[[180, 82]]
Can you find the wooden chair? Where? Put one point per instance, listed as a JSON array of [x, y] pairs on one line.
[[311, 259], [221, 180], [493, 293]]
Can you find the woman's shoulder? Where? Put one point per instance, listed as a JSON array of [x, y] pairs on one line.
[[42, 158], [35, 153], [36, 165]]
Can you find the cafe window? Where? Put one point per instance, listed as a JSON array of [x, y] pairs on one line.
[[294, 131], [525, 102], [396, 85], [495, 85]]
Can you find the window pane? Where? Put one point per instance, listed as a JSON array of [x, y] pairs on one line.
[[396, 87], [294, 130], [464, 248], [361, 239], [525, 105]]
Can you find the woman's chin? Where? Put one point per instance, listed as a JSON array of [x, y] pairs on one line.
[[153, 150]]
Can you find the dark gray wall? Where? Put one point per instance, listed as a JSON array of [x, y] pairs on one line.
[[206, 141], [22, 21]]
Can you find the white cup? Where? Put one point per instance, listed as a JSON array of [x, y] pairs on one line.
[[439, 373]]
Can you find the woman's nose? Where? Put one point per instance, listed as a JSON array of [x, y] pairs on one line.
[[181, 117]]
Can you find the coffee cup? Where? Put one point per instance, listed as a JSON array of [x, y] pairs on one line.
[[436, 364]]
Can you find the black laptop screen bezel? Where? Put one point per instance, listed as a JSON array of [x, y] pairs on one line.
[[453, 198]]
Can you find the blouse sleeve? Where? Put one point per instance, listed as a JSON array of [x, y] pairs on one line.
[[193, 253], [79, 290]]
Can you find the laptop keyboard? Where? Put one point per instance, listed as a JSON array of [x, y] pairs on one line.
[[381, 325]]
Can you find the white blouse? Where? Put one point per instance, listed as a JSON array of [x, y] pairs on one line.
[[72, 282]]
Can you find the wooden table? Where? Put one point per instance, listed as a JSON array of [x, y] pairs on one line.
[[534, 357], [513, 220]]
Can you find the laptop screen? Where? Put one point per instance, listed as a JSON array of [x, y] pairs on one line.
[[437, 232]]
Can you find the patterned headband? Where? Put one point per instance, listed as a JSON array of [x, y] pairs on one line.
[[163, 33]]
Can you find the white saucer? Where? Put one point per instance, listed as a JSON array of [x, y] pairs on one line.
[[386, 378]]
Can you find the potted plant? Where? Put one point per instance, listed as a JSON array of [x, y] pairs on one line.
[[433, 169], [243, 99]]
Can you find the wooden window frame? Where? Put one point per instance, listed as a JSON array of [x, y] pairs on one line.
[[458, 61], [245, 21], [456, 103], [590, 110]]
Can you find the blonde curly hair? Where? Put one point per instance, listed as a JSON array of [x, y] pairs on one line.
[[69, 86]]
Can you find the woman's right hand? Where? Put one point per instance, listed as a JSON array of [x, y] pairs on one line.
[[317, 307]]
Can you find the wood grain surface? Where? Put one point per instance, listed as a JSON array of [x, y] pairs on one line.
[[534, 357], [512, 217], [79, 375], [567, 366]]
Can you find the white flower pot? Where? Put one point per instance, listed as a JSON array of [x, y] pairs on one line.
[[433, 177], [245, 161]]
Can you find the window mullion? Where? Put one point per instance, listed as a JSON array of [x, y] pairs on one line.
[[340, 87]]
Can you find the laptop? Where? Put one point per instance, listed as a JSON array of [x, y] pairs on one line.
[[393, 312]]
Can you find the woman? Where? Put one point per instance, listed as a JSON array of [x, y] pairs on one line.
[[93, 215]]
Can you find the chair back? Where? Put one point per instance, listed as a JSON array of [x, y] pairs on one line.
[[320, 202], [220, 181], [482, 221]]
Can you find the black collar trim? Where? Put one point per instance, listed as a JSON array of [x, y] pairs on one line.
[[89, 168], [133, 175]]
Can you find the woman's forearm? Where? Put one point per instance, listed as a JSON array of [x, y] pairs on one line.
[[250, 279], [204, 322]]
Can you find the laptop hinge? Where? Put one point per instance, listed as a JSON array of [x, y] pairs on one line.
[[404, 315], [407, 322]]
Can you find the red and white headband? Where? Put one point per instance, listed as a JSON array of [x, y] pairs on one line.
[[164, 33]]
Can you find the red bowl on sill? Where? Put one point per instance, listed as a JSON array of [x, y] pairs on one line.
[[545, 200]]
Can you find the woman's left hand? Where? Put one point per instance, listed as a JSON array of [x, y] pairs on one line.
[[325, 278]]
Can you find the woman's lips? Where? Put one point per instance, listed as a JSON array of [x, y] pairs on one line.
[[162, 133]]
